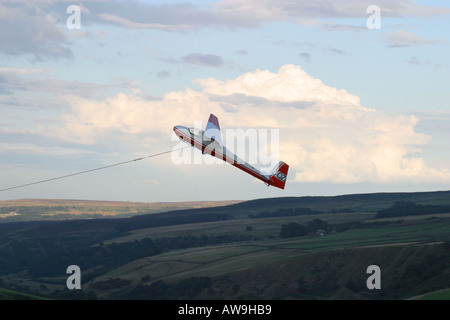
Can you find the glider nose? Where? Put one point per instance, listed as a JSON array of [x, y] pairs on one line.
[[178, 131]]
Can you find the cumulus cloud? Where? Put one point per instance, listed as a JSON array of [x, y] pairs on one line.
[[325, 134], [290, 84]]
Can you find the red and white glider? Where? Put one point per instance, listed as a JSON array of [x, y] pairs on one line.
[[210, 142]]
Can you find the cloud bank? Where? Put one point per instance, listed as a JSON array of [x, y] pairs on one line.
[[38, 28], [325, 133], [29, 30]]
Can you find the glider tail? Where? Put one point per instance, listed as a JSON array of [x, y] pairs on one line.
[[212, 130], [279, 174], [213, 122]]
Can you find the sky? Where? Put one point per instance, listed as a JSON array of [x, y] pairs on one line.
[[353, 95]]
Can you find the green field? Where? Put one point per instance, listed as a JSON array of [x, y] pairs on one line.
[[8, 294], [231, 252], [219, 261], [439, 295], [43, 209]]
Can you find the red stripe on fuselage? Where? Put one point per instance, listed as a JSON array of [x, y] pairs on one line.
[[223, 157]]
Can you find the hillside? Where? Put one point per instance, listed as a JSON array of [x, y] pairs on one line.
[[8, 294], [61, 209], [238, 251]]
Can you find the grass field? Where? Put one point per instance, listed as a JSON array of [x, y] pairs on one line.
[[54, 209], [253, 261], [438, 295], [8, 294], [221, 261], [264, 228]]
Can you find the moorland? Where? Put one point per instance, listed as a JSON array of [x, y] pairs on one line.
[[275, 248]]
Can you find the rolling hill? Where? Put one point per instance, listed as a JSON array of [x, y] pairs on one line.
[[237, 251]]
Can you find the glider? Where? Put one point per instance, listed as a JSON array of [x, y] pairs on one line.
[[209, 141]]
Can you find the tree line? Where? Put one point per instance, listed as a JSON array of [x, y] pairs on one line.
[[52, 259], [409, 208], [286, 212], [294, 229]]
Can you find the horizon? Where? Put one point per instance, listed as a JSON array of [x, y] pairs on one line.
[[215, 201]]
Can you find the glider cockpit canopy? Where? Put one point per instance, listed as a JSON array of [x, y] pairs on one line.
[[196, 132]]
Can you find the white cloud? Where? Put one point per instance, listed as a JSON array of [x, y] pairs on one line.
[[288, 85], [229, 13], [38, 80], [26, 29], [32, 149], [298, 10], [146, 181], [26, 70], [36, 29], [325, 134], [137, 25]]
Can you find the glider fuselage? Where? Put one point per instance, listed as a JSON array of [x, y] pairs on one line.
[[210, 142], [206, 145]]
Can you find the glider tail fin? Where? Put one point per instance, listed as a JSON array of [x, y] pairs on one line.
[[279, 175], [212, 130], [213, 122]]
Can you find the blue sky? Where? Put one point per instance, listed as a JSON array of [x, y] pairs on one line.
[[358, 110]]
